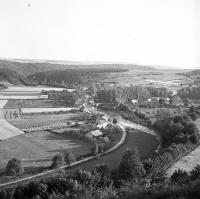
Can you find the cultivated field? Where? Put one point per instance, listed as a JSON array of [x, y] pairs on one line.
[[157, 78], [42, 120], [16, 104]]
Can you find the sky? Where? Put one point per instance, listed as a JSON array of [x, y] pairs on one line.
[[148, 32]]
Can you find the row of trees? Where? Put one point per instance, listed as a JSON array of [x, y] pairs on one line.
[[124, 94], [190, 92], [15, 166]]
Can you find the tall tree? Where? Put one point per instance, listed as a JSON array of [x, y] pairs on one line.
[[131, 167]]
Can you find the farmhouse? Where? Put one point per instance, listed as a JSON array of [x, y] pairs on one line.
[[94, 134]]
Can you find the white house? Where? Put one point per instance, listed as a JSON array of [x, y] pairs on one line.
[[134, 101]]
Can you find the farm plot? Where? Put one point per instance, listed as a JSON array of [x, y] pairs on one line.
[[38, 120], [16, 104], [37, 149]]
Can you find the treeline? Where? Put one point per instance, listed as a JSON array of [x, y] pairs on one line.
[[190, 92], [129, 181], [70, 76], [123, 94]]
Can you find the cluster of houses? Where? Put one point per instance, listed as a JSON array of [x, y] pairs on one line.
[[102, 123], [174, 100]]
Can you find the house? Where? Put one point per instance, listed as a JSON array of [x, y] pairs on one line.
[[134, 101], [94, 134], [102, 124]]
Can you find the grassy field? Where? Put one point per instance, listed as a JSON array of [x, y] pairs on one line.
[[37, 149]]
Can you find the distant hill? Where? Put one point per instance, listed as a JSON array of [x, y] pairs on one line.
[[72, 76], [29, 67], [13, 77], [19, 71]]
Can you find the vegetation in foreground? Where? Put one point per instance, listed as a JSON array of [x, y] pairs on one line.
[[129, 180]]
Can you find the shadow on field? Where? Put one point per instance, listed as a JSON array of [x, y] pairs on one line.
[[38, 160], [58, 136]]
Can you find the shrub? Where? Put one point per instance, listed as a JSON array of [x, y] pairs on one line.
[[114, 121], [180, 177], [195, 173], [69, 157], [57, 161], [14, 167], [193, 116]]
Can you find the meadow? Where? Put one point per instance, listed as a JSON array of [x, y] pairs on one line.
[[37, 149]]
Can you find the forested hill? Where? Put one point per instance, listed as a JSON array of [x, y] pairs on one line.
[[13, 77], [71, 76], [27, 68]]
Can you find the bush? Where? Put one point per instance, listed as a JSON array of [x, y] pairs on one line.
[[14, 167], [193, 116], [69, 157], [57, 161], [180, 177], [114, 121], [195, 173]]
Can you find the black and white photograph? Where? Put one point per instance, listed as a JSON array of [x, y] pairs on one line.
[[99, 99]]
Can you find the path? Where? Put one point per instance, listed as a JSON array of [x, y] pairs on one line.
[[187, 162], [6, 129]]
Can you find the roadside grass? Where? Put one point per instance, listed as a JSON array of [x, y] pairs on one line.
[[37, 149]]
